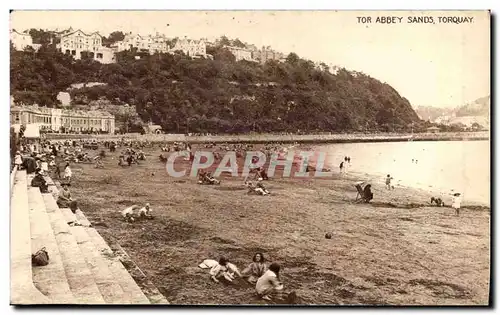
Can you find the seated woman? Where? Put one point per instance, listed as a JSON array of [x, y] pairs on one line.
[[220, 269], [64, 198], [367, 193], [256, 269], [39, 181], [269, 286]]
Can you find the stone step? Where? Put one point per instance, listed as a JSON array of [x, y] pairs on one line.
[[51, 279], [22, 289], [130, 287], [100, 268], [80, 278], [125, 280]]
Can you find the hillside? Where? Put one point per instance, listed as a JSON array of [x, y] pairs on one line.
[[477, 111], [480, 107], [431, 113], [219, 95]]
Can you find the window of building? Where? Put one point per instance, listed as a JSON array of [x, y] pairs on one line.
[[99, 56]]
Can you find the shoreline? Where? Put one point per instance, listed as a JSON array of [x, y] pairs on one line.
[[264, 138]]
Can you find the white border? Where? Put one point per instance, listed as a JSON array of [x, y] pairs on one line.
[[199, 5]]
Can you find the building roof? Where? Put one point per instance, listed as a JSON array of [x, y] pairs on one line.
[[25, 33], [79, 30], [68, 112]]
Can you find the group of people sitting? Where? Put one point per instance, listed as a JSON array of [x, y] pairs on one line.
[[266, 279], [135, 212]]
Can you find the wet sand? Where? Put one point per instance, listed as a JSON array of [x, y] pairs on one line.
[[397, 250]]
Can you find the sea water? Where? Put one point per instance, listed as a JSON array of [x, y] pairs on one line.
[[444, 167]]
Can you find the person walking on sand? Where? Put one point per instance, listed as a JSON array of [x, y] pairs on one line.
[[341, 167], [457, 199], [388, 182]]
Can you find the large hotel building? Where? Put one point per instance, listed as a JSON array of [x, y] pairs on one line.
[[63, 120]]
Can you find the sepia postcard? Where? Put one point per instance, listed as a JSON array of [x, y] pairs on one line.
[[250, 158]]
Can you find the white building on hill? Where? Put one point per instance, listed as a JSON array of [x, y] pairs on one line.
[[22, 40], [78, 44], [240, 53], [191, 47], [151, 43]]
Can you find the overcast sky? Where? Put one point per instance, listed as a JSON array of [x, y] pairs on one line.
[[437, 64]]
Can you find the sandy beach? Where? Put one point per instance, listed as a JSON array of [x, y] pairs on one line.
[[396, 250]]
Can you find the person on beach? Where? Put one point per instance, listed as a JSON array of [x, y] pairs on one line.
[[64, 198], [388, 182], [40, 182], [367, 193], [145, 212], [220, 269], [128, 213], [438, 201], [457, 199], [269, 286], [18, 160], [341, 167], [67, 173], [44, 165], [256, 269]]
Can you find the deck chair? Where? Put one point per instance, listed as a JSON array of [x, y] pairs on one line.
[[360, 196]]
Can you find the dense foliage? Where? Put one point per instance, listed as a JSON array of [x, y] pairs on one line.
[[220, 95]]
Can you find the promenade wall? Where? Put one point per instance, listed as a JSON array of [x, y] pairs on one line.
[[263, 138]]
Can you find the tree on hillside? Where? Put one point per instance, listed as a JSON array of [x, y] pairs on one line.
[[238, 43], [292, 58], [40, 36], [114, 37], [224, 41]]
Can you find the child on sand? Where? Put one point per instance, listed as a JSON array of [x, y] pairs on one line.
[[269, 286], [222, 268], [145, 212], [457, 199], [388, 182], [128, 213]]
